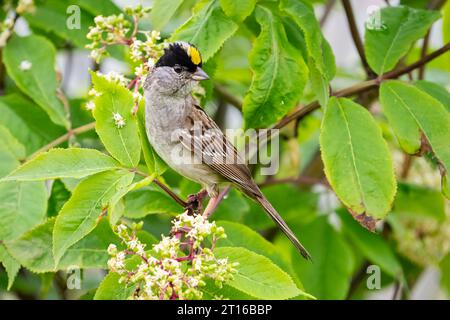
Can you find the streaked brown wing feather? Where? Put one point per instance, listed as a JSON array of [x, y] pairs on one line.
[[203, 136]]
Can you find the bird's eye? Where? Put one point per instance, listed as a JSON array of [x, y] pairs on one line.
[[177, 68]]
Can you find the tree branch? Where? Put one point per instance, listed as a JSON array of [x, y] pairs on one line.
[[423, 53], [300, 112], [356, 37], [165, 188], [397, 73], [326, 13], [63, 138]]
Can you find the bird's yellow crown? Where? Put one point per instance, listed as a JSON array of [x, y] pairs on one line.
[[194, 54]]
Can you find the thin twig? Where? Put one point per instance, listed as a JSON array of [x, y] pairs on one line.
[[63, 138], [165, 188], [423, 53], [172, 194], [397, 288], [397, 73], [357, 279], [406, 166], [356, 37], [326, 13]]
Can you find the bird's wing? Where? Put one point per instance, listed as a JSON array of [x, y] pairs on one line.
[[204, 138]]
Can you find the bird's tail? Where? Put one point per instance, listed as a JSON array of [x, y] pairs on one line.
[[283, 226]]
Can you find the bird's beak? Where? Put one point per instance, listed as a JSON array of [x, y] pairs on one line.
[[200, 75]]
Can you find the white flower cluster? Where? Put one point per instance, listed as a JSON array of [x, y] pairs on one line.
[[146, 50], [423, 240], [116, 29], [107, 31], [177, 266], [90, 104], [115, 77], [138, 11]]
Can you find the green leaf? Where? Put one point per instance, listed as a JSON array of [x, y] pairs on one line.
[[34, 249], [320, 57], [123, 143], [436, 91], [112, 289], [39, 82], [401, 27], [303, 15], [372, 245], [99, 7], [79, 216], [208, 28], [357, 161], [154, 162], [8, 162], [149, 200], [328, 277], [63, 163], [162, 11], [117, 206], [27, 122], [23, 205], [444, 265], [58, 196], [211, 292], [257, 275], [239, 235], [413, 201], [279, 73], [319, 85], [11, 144], [232, 208], [446, 23], [10, 264], [411, 113], [238, 10], [52, 16]]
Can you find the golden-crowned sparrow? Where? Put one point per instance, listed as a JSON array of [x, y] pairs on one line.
[[187, 139]]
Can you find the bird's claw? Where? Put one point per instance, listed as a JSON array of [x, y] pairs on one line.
[[194, 202]]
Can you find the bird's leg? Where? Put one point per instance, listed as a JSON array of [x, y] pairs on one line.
[[214, 202], [194, 201], [211, 206]]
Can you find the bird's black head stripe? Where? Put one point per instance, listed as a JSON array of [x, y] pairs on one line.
[[176, 54]]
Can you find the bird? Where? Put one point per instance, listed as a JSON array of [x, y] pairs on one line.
[[188, 139]]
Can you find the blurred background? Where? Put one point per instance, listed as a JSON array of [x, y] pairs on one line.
[[73, 64]]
